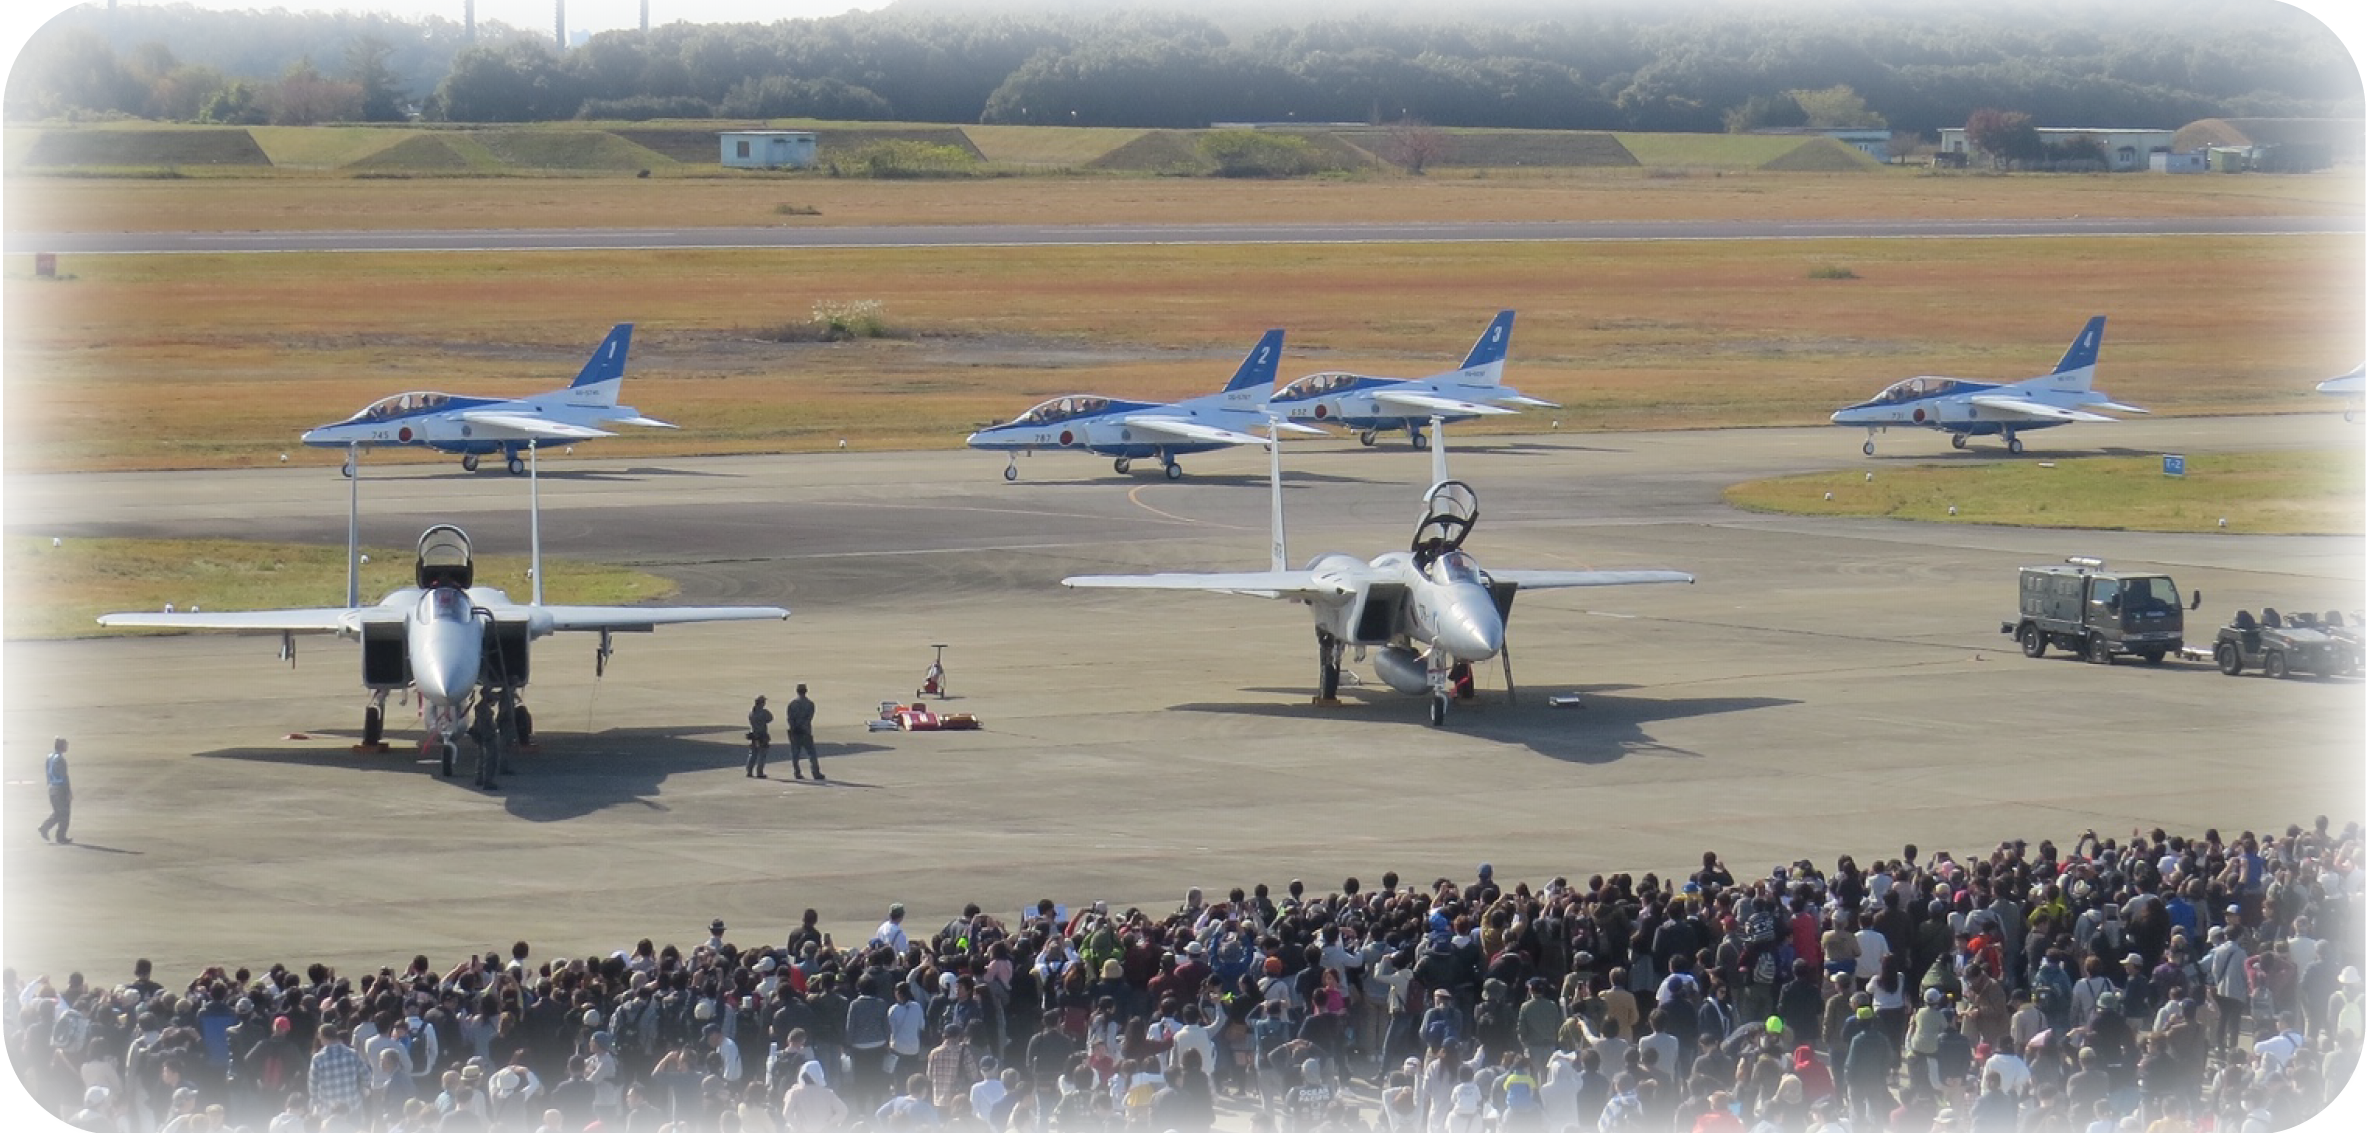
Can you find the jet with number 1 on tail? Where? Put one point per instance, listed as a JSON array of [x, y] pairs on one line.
[[1127, 431], [1966, 409], [477, 427], [1431, 611]]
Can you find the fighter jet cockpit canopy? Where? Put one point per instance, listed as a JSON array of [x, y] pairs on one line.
[[403, 405], [444, 559], [1317, 385], [1063, 408], [1449, 510], [1915, 389]]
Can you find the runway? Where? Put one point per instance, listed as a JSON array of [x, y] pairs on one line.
[[1056, 235], [1827, 686]]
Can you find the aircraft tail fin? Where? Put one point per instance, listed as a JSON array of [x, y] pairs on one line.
[[2082, 354], [604, 376], [1259, 366], [1492, 346]]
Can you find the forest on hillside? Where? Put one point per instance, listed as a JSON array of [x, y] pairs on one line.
[[1679, 65]]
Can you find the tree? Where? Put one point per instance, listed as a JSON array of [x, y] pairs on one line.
[[1835, 107], [1250, 153], [366, 65], [305, 97], [1764, 112], [2005, 135], [1416, 145]]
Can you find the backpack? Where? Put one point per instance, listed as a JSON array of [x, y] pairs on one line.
[[1520, 1094], [2047, 996], [1437, 1033], [1765, 970]]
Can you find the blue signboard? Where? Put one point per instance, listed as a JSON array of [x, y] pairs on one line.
[[2173, 465]]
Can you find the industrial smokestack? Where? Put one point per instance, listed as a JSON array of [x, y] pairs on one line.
[[645, 17], [468, 19], [562, 23]]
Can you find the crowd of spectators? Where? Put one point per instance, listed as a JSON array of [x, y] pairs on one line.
[[2163, 983]]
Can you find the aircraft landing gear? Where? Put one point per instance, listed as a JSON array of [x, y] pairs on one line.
[[1122, 465], [2013, 444], [346, 469], [1438, 710], [1327, 666], [1420, 439], [468, 463], [373, 726], [1011, 470], [1868, 447], [447, 751], [1174, 470], [1956, 440], [517, 465], [1368, 438]]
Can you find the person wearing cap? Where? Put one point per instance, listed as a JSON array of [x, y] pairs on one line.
[[269, 1067], [801, 733], [760, 740], [1866, 1067]]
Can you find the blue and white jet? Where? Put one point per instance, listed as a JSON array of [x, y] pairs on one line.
[[1966, 409], [1128, 431], [476, 427], [1372, 405]]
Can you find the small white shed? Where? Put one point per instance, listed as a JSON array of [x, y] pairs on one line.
[[768, 149]]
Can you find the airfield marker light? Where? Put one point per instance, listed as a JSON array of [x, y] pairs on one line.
[[283, 458], [365, 560], [1557, 423], [1869, 477], [2223, 521], [1828, 496], [1951, 509], [842, 444], [54, 541]]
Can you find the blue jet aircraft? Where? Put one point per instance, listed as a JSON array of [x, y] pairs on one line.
[[476, 427], [1128, 431], [1372, 405], [1966, 409]]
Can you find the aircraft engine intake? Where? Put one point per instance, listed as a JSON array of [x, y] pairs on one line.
[[1403, 670]]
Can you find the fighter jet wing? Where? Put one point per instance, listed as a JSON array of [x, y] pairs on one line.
[[326, 619], [1561, 579], [1181, 429], [1524, 399], [628, 619], [2115, 406], [2030, 408], [533, 425], [1254, 583], [647, 422], [1435, 403]]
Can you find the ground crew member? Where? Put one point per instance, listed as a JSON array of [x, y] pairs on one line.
[[801, 734], [760, 738], [481, 730], [61, 790]]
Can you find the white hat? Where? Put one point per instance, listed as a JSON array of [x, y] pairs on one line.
[[2349, 977], [811, 1071], [94, 1097]]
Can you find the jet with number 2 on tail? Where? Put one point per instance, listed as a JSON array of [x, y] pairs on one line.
[[1966, 409]]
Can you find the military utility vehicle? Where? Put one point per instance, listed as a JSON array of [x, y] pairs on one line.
[[2082, 607]]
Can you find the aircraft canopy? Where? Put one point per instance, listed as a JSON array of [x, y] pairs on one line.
[[1317, 385], [402, 404], [1063, 408], [1916, 388]]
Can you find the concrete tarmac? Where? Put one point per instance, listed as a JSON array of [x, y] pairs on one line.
[[1828, 686]]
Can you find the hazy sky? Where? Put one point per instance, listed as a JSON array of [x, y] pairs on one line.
[[589, 15]]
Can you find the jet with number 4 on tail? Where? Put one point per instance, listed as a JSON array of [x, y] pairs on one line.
[[1127, 431], [477, 427], [1372, 406], [1431, 612], [1966, 409], [455, 643]]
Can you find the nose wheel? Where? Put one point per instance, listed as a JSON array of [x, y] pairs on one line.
[[1122, 465], [2013, 444], [469, 463], [1956, 440], [1368, 438], [1868, 447], [517, 465], [1438, 710], [1174, 470], [1011, 470]]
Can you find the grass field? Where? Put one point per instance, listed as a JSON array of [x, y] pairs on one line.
[[2284, 493], [239, 353], [59, 591]]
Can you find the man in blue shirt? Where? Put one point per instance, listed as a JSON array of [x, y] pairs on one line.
[[61, 794]]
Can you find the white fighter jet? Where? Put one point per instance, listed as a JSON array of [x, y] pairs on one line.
[[476, 427], [1432, 611], [1372, 405], [2352, 385], [452, 641], [1966, 409]]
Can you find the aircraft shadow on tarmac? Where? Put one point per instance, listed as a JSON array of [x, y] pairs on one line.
[[1607, 729], [608, 475], [572, 775], [1290, 479]]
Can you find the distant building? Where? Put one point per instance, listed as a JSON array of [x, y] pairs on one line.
[[2165, 161], [2125, 150], [1873, 141], [2279, 145], [768, 149]]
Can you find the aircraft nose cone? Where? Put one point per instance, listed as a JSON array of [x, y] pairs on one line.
[[1471, 634], [444, 662]]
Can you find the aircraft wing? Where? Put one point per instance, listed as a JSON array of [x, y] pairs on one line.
[[2116, 407], [1254, 583], [1562, 579], [1524, 399], [2030, 408], [1181, 429], [635, 618], [646, 422], [1435, 403], [326, 619], [534, 425]]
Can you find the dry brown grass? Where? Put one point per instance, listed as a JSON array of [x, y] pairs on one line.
[[315, 202], [180, 361]]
